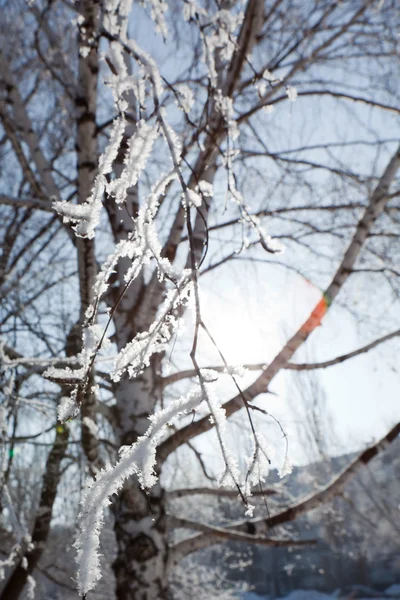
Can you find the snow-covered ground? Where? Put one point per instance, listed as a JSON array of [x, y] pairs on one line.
[[392, 593]]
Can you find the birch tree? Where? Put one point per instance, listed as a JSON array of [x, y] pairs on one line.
[[134, 139]]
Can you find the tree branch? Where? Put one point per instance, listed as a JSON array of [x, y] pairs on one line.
[[188, 373], [262, 526], [26, 203], [215, 535], [342, 357], [376, 205], [183, 492]]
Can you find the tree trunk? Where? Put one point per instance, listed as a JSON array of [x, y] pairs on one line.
[[41, 528], [139, 517]]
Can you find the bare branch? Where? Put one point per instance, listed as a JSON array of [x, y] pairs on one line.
[[183, 492], [342, 357], [258, 527], [187, 374], [376, 205], [215, 535], [26, 203]]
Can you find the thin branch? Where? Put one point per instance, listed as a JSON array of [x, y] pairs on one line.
[[183, 492], [216, 535], [26, 203], [263, 525], [188, 373], [376, 206], [343, 357]]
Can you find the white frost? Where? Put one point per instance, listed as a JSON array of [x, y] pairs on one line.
[[291, 93], [31, 585], [66, 409], [137, 459]]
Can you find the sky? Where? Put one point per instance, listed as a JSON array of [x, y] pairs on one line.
[[250, 320]]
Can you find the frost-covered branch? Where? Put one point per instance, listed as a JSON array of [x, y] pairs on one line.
[[138, 459]]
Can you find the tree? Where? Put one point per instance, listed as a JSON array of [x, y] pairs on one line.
[[162, 159]]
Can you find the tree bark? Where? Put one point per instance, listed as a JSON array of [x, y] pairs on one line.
[[86, 106]]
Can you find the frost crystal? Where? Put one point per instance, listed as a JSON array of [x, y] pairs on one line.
[[291, 93], [205, 188], [286, 469], [137, 459], [190, 9], [139, 148], [269, 76], [31, 583], [66, 409], [86, 216], [225, 106], [193, 198], [136, 354], [185, 97], [158, 8]]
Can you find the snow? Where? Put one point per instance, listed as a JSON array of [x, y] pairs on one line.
[[31, 585], [139, 149], [139, 459], [291, 93], [67, 408]]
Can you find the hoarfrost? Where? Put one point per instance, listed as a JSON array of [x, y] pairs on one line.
[[291, 93], [137, 459]]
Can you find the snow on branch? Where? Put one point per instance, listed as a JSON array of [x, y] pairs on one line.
[[86, 217], [139, 148], [138, 459], [142, 246], [135, 356]]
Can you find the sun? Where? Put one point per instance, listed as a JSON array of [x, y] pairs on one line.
[[242, 333]]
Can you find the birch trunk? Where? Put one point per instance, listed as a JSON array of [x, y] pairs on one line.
[[139, 518]]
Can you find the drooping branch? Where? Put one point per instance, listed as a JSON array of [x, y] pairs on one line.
[[205, 165], [375, 207], [262, 526]]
